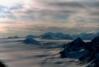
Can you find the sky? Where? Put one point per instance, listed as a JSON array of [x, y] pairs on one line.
[[22, 17]]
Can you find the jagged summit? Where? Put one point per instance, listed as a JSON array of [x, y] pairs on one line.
[[76, 44], [88, 53], [75, 49], [78, 41]]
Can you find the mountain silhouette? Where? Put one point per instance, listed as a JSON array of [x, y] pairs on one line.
[[84, 52], [95, 45], [56, 36], [2, 65], [30, 40], [77, 44], [95, 40], [75, 49]]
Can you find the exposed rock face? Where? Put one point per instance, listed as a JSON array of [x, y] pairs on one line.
[[95, 45], [76, 44], [30, 40], [95, 62], [95, 40], [85, 52], [74, 49]]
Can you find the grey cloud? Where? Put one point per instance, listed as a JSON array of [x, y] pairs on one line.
[[16, 7], [94, 13], [66, 4], [93, 4], [55, 10], [61, 10]]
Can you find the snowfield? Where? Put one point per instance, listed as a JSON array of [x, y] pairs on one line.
[[16, 54]]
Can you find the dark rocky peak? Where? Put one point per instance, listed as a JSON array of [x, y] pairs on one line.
[[2, 65], [75, 49], [96, 40], [78, 41], [95, 43], [77, 44]]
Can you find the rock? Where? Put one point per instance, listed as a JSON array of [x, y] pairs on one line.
[[84, 52], [76, 44], [95, 46], [95, 62], [30, 40], [75, 49], [2, 65], [95, 40]]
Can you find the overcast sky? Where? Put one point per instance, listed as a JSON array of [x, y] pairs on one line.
[[28, 16]]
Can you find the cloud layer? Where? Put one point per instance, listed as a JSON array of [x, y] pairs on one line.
[[51, 15]]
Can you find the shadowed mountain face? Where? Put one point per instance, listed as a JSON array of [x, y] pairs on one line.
[[60, 35], [76, 44], [95, 45], [84, 52], [95, 63], [96, 40], [2, 65], [56, 36], [74, 49], [30, 40]]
